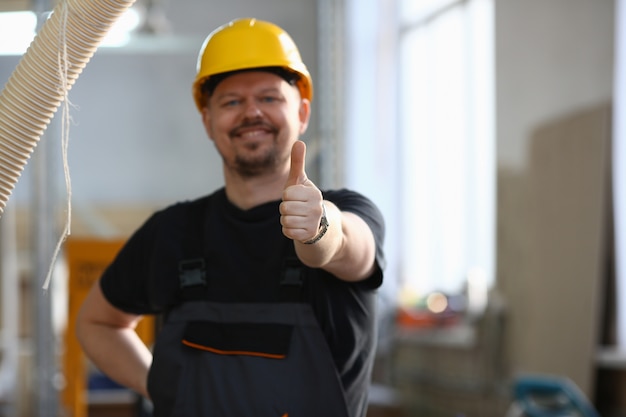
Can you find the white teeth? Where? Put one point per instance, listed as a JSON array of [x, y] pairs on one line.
[[253, 133]]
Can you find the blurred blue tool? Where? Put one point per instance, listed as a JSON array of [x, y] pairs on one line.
[[547, 396]]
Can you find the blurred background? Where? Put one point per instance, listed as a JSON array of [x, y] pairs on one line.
[[490, 133]]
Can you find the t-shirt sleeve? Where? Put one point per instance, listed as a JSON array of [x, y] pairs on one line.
[[363, 207], [132, 281]]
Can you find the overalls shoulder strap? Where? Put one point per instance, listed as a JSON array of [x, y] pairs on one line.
[[192, 268]]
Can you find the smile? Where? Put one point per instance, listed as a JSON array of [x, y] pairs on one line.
[[254, 131]]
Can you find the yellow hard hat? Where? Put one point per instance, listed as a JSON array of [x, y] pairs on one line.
[[246, 44]]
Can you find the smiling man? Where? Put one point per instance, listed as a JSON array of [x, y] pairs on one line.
[[268, 285]]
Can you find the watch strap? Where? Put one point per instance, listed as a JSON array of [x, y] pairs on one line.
[[323, 228]]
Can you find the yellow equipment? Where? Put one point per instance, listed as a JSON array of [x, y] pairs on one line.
[[246, 44]]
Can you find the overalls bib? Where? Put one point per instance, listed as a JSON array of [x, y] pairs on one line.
[[216, 359]]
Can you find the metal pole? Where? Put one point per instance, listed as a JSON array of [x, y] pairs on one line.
[[329, 92], [619, 170], [45, 355], [9, 335]]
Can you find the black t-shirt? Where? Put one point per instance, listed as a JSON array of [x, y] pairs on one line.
[[244, 252]]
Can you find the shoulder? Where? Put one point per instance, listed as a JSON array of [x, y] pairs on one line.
[[165, 228], [182, 207], [347, 199], [182, 211], [357, 203], [343, 194], [139, 278]]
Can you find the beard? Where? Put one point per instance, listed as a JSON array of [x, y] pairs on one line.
[[251, 162], [252, 166]]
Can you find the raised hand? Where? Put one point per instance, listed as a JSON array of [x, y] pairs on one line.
[[301, 209]]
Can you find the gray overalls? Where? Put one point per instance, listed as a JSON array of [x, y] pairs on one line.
[[243, 359]]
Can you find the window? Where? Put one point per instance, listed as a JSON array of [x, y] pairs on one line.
[[448, 167]]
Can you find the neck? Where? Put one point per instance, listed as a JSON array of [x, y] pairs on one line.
[[246, 193]]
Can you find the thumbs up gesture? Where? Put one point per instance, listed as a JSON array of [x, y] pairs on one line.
[[301, 209]]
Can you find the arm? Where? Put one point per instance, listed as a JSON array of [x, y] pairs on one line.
[[108, 337], [348, 248]]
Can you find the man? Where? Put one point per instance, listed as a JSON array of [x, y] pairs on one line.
[[267, 286]]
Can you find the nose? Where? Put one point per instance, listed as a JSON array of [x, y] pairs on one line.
[[252, 110]]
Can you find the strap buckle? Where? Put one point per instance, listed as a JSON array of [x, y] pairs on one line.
[[192, 272]]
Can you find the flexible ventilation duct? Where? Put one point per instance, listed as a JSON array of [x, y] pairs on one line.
[[44, 75]]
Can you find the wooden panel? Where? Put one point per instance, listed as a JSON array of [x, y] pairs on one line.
[[87, 258], [569, 171]]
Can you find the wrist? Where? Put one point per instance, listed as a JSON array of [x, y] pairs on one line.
[[321, 231]]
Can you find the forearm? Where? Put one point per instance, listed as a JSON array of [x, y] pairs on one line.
[[108, 337], [117, 352], [347, 250]]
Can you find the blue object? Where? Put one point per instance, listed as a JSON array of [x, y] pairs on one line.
[[98, 381], [545, 396]]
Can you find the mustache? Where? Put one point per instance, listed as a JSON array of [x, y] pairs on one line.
[[255, 124]]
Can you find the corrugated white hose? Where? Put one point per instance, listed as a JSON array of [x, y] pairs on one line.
[[43, 77], [42, 80]]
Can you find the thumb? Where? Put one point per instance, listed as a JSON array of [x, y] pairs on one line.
[[297, 175]]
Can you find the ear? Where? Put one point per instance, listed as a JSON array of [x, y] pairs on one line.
[[304, 114]]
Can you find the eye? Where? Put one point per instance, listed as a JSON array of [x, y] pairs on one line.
[[230, 103], [269, 99]]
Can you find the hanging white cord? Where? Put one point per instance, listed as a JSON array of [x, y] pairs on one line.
[[65, 125], [42, 80]]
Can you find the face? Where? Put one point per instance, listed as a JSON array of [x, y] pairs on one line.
[[254, 118]]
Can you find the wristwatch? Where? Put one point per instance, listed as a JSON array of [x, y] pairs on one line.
[[322, 229]]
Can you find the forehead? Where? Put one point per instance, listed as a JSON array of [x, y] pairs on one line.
[[251, 81]]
